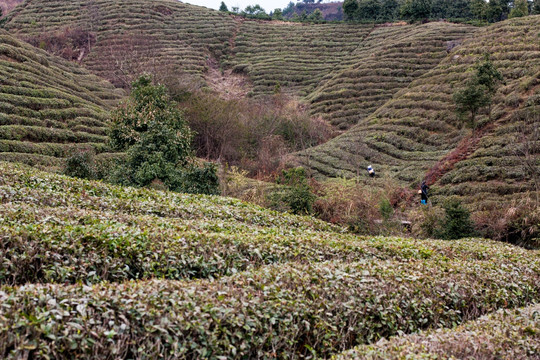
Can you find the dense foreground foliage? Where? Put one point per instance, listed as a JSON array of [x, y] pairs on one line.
[[92, 270], [504, 335]]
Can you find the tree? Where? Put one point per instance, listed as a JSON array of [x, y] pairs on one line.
[[520, 9], [416, 10], [277, 14], [479, 9], [388, 10], [152, 131], [223, 7], [535, 9], [470, 100], [316, 16], [479, 90], [457, 221], [350, 7], [368, 10], [497, 10]]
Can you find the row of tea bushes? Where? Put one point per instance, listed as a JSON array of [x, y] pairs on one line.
[[389, 59], [49, 106], [57, 229], [506, 334], [281, 311]]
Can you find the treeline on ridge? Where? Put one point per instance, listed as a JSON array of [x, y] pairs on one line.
[[415, 10]]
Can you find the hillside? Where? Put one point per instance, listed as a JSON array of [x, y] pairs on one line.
[[201, 268], [119, 40], [48, 104], [8, 5], [416, 134], [386, 61]]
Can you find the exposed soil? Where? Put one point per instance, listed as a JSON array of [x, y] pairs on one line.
[[227, 84]]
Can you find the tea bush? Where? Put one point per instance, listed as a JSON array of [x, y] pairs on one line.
[[506, 334]]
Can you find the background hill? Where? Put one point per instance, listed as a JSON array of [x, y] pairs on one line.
[[386, 88], [8, 5], [332, 11], [48, 104], [118, 40], [417, 134]]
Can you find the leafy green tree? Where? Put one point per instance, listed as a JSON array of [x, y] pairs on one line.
[[535, 8], [457, 221], [289, 9], [316, 16], [223, 7], [520, 9], [470, 100], [350, 7], [277, 14], [448, 9], [479, 90], [497, 10], [388, 10], [416, 10], [156, 138], [368, 9], [297, 195], [487, 74], [80, 164], [479, 9]]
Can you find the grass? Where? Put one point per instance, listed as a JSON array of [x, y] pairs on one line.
[[92, 270]]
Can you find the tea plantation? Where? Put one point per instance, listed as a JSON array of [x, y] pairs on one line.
[[417, 133], [92, 270], [48, 104]]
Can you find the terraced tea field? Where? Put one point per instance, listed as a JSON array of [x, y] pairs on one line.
[[418, 129], [130, 37], [94, 270], [386, 61], [48, 104], [294, 56]]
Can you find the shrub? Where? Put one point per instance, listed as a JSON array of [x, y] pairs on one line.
[[157, 140], [386, 209], [280, 311], [427, 221], [506, 334], [200, 180], [81, 164], [457, 221], [517, 222], [348, 203], [297, 195]]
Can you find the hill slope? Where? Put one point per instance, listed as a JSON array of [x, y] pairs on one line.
[[417, 129], [203, 268], [48, 104], [118, 40], [386, 61]]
